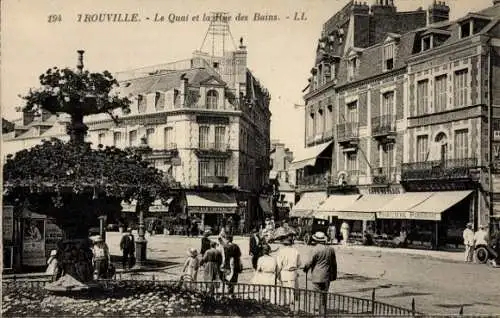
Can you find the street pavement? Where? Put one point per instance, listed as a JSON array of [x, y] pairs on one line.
[[439, 282]]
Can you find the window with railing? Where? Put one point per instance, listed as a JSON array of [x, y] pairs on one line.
[[212, 98], [460, 88], [461, 144], [168, 137], [204, 167], [220, 133], [117, 139], [204, 137], [422, 97], [422, 148], [220, 168], [440, 93], [387, 103], [141, 103], [386, 152], [352, 112], [132, 138]]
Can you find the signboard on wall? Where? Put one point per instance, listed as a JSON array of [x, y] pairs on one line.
[[8, 223], [53, 234], [34, 242]]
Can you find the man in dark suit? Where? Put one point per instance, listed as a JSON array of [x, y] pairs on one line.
[[205, 242], [255, 247], [323, 266]]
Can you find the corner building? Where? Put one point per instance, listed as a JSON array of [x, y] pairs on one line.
[[397, 124]]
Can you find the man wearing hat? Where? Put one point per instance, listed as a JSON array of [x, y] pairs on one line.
[[322, 265], [288, 263], [468, 235], [127, 246], [102, 258], [255, 247]]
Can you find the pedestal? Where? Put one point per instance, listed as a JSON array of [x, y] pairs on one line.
[[140, 252]]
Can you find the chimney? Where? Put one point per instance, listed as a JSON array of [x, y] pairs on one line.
[[28, 117], [383, 7], [438, 12], [184, 85], [240, 59]]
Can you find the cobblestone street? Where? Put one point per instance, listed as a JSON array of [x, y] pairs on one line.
[[436, 280]]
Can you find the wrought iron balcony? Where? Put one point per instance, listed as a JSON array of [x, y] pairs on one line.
[[348, 132], [438, 169], [213, 150], [315, 181], [385, 175], [214, 179], [383, 125]]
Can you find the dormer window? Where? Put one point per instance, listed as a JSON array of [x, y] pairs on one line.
[[212, 99], [465, 29], [141, 103], [388, 56], [352, 67], [426, 43]]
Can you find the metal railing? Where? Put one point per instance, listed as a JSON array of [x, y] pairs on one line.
[[296, 300], [347, 131], [383, 125], [213, 146], [315, 180], [382, 175], [438, 169]]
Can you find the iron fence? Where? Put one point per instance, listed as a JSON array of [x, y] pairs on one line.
[[299, 301]]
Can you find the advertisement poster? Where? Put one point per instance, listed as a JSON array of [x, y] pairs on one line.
[[8, 223], [53, 234], [34, 242]]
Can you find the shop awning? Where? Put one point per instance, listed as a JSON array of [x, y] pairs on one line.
[[333, 204], [265, 205], [156, 207], [365, 207], [309, 202], [435, 205], [397, 208], [308, 156], [211, 202]]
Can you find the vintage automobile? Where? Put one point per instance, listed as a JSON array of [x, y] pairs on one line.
[[307, 226]]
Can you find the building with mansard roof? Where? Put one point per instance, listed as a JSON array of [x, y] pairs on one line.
[[207, 121], [398, 122]]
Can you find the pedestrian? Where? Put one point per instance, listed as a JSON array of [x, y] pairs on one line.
[[192, 264], [222, 233], [232, 263], [468, 236], [288, 263], [265, 274], [332, 233], [205, 242], [323, 267], [53, 266], [344, 230], [127, 246], [102, 258], [255, 247], [211, 262]]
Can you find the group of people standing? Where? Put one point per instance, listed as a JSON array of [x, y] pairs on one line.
[[472, 240]]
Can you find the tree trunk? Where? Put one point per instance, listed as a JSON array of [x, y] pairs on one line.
[[76, 129]]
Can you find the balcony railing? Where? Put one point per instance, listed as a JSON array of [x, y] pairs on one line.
[[214, 179], [383, 125], [438, 169], [385, 175], [214, 146], [315, 181], [347, 131]]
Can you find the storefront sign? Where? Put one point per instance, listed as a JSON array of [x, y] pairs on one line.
[[34, 242], [8, 223], [53, 234], [409, 216], [207, 209], [360, 216]]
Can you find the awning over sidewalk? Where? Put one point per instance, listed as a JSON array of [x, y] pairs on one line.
[[308, 156], [156, 207], [365, 207], [211, 202], [333, 204], [435, 205], [397, 208], [309, 202]]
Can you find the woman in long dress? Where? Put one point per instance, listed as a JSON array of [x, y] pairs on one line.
[[212, 261], [265, 274]]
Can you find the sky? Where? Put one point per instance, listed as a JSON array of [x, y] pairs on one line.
[[280, 53]]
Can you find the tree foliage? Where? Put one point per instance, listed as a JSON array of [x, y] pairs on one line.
[[85, 93]]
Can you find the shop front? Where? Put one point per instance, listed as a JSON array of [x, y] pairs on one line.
[[334, 203], [213, 209], [155, 219]]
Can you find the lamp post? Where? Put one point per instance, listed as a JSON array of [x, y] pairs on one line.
[[141, 243]]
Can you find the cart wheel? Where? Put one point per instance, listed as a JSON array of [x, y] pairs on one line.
[[482, 255]]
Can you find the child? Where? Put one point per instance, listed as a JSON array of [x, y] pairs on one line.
[[53, 265], [192, 264]]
